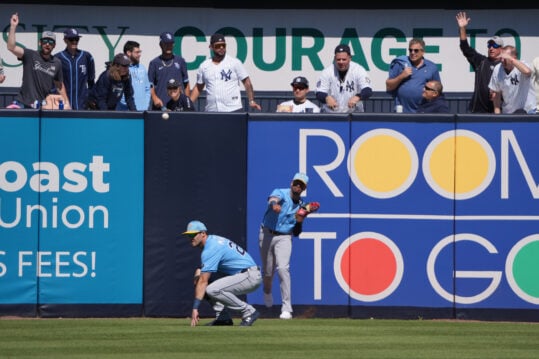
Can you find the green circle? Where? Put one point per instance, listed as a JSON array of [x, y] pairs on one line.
[[526, 269]]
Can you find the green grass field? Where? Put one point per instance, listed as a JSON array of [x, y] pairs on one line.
[[267, 338]]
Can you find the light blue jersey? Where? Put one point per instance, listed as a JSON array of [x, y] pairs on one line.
[[284, 221], [223, 255]]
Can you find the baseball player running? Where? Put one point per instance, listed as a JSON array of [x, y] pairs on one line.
[[344, 85], [283, 218], [241, 276]]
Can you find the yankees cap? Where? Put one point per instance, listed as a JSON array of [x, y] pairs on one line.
[[173, 83], [195, 227], [343, 48], [215, 38], [300, 80], [495, 40], [166, 38]]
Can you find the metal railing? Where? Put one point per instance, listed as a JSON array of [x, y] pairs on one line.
[[380, 102]]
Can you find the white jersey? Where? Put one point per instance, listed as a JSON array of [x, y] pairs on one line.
[[222, 80], [306, 107], [355, 80], [516, 89], [535, 79]]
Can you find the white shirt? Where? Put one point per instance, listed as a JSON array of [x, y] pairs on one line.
[[516, 89], [535, 79], [307, 106], [355, 80], [222, 80]]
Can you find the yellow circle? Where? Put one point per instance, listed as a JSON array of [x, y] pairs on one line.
[[472, 164], [382, 163]]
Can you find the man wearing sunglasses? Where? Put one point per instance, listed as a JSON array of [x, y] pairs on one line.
[[482, 65], [408, 76], [42, 72], [433, 99], [221, 76], [78, 70], [282, 219]]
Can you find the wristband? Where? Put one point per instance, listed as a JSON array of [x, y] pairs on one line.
[[196, 303]]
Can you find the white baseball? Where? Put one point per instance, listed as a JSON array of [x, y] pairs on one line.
[[164, 116]]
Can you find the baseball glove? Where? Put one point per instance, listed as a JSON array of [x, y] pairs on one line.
[[307, 209]]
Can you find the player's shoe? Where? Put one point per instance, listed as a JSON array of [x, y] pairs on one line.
[[220, 322], [249, 320], [268, 300], [285, 315]]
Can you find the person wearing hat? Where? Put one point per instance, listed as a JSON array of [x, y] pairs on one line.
[[78, 69], [221, 76], [113, 84], [511, 84], [344, 85], [482, 65], [240, 276], [178, 100], [42, 72], [408, 76], [283, 218], [300, 103], [164, 67]]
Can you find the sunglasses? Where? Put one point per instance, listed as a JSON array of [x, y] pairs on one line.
[[48, 41], [192, 235], [494, 45], [430, 89], [415, 50], [219, 46], [298, 88], [298, 183], [75, 39]]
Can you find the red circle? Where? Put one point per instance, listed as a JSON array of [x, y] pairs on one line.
[[368, 266]]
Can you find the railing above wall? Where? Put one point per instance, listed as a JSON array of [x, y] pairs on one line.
[[380, 102]]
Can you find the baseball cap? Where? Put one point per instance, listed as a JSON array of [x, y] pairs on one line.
[[215, 38], [48, 35], [166, 38], [300, 80], [71, 34], [195, 227], [121, 59], [301, 177], [343, 48], [495, 40], [173, 83]]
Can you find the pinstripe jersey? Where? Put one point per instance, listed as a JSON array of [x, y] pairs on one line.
[[222, 81], [355, 80]]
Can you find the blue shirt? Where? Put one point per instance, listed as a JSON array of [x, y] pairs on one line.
[[160, 71], [141, 88], [285, 220], [223, 255], [79, 76], [409, 94]]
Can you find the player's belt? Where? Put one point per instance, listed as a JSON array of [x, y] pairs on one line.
[[275, 233], [250, 268]]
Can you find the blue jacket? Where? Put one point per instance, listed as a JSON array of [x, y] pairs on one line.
[[107, 92]]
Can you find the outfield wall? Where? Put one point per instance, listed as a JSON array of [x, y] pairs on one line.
[[431, 216]]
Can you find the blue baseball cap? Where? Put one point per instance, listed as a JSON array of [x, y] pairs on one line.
[[301, 177], [195, 227], [166, 38]]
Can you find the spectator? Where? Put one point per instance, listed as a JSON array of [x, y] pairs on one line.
[[178, 100], [408, 76], [241, 276], [482, 66], [113, 83], [221, 75], [535, 82], [300, 103], [164, 67], [139, 78], [511, 84], [42, 72], [78, 70], [433, 99], [344, 85]]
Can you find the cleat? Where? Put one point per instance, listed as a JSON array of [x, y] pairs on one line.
[[285, 315], [220, 322], [248, 321]]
